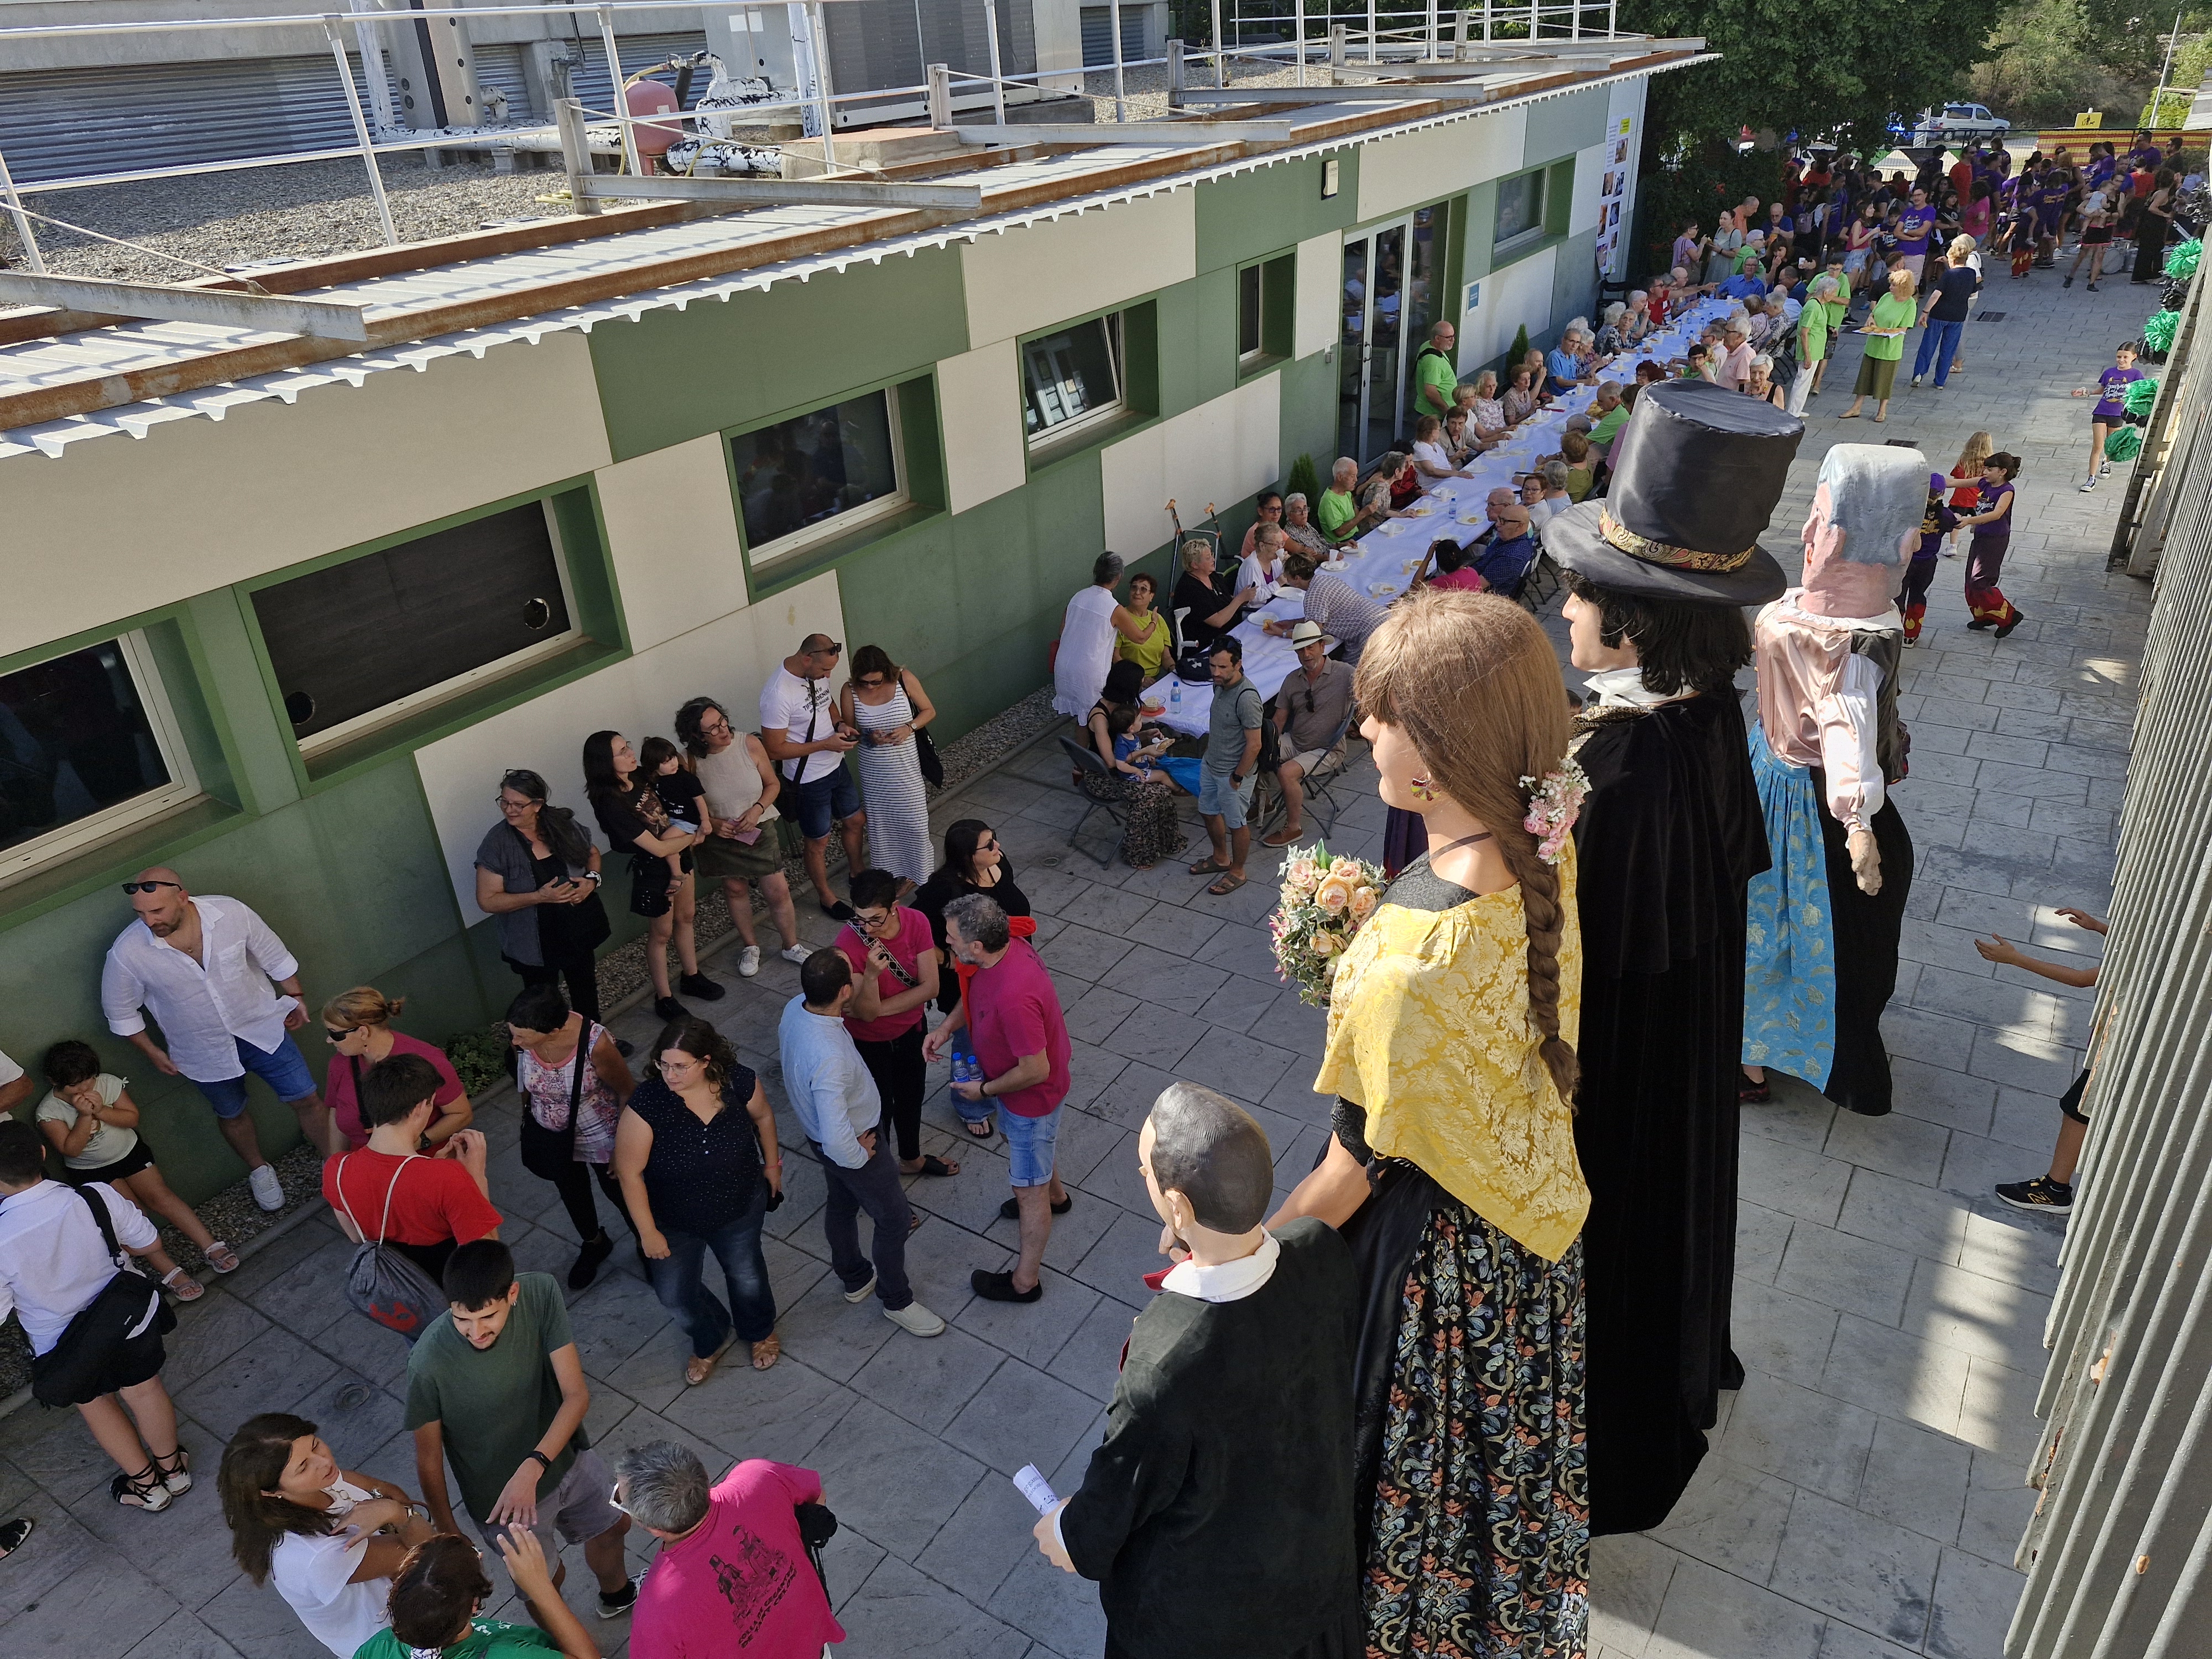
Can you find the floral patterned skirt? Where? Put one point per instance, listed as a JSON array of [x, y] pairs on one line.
[[1150, 832], [1479, 1540]]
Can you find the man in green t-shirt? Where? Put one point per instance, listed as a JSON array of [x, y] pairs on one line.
[[1339, 509], [1610, 412], [495, 1387], [1436, 373]]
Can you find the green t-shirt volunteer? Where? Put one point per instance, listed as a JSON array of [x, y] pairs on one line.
[[1439, 380], [1811, 333], [488, 1638], [1889, 311], [1337, 509], [497, 1402]]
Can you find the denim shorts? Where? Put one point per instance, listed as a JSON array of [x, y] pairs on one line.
[[829, 799], [1030, 1146], [283, 1069], [1217, 797]]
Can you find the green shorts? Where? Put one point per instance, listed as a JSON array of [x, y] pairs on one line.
[[720, 858]]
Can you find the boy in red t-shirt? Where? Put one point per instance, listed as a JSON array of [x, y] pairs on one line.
[[427, 1213]]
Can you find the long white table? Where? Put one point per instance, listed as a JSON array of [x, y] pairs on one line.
[[1453, 509]]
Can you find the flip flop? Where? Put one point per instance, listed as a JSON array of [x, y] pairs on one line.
[[1226, 885], [981, 1127], [1210, 866], [934, 1165]]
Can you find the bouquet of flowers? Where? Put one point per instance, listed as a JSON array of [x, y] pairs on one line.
[[1326, 898]]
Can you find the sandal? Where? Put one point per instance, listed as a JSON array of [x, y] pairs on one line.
[[1210, 866], [981, 1127], [934, 1165], [1228, 883], [179, 1481], [142, 1491], [13, 1534], [766, 1352], [182, 1285], [697, 1370], [220, 1256]]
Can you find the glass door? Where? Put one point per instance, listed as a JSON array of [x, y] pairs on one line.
[[1351, 355], [1423, 274], [1371, 376], [1386, 356]]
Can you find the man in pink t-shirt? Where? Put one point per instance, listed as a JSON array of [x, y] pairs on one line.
[[885, 1019], [1020, 1037], [732, 1577]]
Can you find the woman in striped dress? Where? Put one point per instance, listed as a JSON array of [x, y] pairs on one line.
[[889, 706]]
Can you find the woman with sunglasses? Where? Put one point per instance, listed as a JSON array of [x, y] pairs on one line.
[[538, 873], [973, 862], [697, 1155], [358, 1025]]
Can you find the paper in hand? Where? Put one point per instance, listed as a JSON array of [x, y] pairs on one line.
[[1034, 1486]]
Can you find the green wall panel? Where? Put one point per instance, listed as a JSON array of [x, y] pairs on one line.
[[1560, 126], [1309, 413], [1255, 214], [675, 375], [1574, 280]]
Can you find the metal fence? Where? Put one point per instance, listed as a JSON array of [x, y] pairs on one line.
[[2118, 1556]]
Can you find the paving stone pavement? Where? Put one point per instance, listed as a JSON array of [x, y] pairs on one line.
[[1865, 1490]]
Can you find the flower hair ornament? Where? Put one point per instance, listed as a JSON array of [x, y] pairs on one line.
[[1554, 803]]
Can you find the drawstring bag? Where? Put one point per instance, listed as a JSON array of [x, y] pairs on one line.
[[387, 1286]]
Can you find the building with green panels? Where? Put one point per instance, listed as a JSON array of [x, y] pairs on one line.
[[285, 634]]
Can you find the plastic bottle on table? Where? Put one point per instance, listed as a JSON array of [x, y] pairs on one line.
[[1175, 698]]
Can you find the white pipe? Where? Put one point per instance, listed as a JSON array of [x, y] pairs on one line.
[[630, 156], [1220, 55], [820, 45], [1114, 22], [1371, 56], [998, 86], [360, 132], [1299, 12], [22, 221]]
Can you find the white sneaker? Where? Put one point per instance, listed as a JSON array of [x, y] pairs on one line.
[[915, 1320], [794, 953], [864, 1292], [749, 961], [268, 1191]]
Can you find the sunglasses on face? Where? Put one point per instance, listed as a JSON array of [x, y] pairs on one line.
[[334, 1037], [148, 886]]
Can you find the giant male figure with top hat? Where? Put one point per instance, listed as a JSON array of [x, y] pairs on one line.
[[1671, 833]]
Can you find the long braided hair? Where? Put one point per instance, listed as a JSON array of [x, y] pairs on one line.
[[1473, 681]]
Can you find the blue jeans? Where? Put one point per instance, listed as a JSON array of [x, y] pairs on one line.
[[1939, 344], [283, 1069], [679, 1280]]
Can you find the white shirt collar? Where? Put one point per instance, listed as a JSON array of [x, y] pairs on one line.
[[1623, 688], [1232, 1281]]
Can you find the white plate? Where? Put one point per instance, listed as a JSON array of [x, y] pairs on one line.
[[1383, 590], [1337, 564]]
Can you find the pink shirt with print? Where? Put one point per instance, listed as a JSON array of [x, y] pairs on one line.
[[1012, 1011], [741, 1584]]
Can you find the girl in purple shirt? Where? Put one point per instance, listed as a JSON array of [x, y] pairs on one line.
[[1991, 524], [2112, 386]]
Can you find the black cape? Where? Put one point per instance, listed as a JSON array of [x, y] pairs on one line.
[[1216, 1517], [1671, 833]]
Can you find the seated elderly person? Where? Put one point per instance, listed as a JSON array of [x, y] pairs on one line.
[[1432, 461], [1612, 340], [1520, 402], [1298, 528], [1735, 363], [1460, 445], [1611, 415], [1569, 363], [1532, 497], [1338, 512], [1742, 286], [1333, 605], [1556, 498], [1503, 557], [1313, 712], [1637, 324], [1485, 413], [1209, 616], [1390, 489]]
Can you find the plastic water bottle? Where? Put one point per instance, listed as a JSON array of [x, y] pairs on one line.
[[963, 1069], [1175, 698]]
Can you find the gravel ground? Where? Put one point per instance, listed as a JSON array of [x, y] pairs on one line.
[[317, 208], [231, 1215]]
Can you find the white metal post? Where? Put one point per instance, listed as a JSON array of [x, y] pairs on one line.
[[1220, 56], [1486, 22], [824, 94], [1432, 57], [1575, 31], [575, 154], [630, 157], [939, 77], [1298, 12], [360, 133], [1613, 20], [1114, 22], [1337, 32], [997, 83], [1371, 56], [1176, 75], [38, 261], [370, 39]]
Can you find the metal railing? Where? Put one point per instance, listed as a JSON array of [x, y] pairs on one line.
[[2118, 1556]]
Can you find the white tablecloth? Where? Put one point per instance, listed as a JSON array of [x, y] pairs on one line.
[[1450, 507]]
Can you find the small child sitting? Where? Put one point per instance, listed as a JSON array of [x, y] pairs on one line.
[[1136, 752], [90, 1119]]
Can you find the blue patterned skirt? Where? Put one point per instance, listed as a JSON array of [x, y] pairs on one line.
[[1790, 961]]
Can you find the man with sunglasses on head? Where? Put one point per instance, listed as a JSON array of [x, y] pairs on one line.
[[1312, 711], [802, 736], [203, 968]]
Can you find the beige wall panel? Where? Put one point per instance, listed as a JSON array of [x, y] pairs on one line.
[[124, 524], [729, 659], [1318, 316], [1027, 279], [1220, 451], [673, 531], [1400, 173], [1519, 293], [1590, 181], [979, 403]]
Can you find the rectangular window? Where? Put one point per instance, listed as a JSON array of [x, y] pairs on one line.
[[1520, 207], [819, 475], [88, 747], [358, 644], [1250, 303], [1072, 379]]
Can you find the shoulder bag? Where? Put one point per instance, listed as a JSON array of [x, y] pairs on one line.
[[546, 1153], [73, 1371], [380, 1282]]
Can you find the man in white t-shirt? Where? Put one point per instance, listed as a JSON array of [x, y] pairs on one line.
[[54, 1264], [800, 730], [14, 1087]]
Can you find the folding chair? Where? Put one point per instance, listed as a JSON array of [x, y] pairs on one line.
[[1541, 585], [1319, 802], [1096, 785]]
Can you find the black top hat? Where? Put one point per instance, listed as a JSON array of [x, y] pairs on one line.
[[1698, 471]]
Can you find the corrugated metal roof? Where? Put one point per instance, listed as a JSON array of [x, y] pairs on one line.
[[122, 348]]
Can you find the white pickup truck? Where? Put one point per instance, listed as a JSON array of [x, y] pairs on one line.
[[1958, 121]]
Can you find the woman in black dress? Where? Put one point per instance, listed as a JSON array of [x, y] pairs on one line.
[[636, 818], [538, 874], [973, 862]]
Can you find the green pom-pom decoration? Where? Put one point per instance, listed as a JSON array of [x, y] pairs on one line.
[[2158, 332], [2181, 259], [2139, 397], [2124, 445]]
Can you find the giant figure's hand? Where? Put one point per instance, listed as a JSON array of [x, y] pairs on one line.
[[1866, 861]]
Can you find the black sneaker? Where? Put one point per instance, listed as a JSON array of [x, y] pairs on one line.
[[698, 986], [615, 1606], [2040, 1193], [589, 1260], [1011, 1209], [669, 1008], [2018, 617], [999, 1287]]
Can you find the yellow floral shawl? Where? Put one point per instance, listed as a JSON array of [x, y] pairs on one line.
[[1428, 1030]]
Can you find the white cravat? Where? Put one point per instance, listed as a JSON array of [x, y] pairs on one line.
[[1623, 688], [1230, 1281]]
